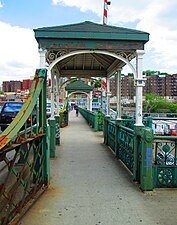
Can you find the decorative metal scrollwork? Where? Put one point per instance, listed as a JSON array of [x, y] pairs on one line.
[[165, 176], [53, 55], [126, 55]]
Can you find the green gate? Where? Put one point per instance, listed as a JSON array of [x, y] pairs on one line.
[[24, 158]]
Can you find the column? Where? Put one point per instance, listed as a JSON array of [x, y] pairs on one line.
[[118, 76], [57, 93], [139, 83], [42, 59], [88, 103], [90, 108], [66, 94], [88, 99], [108, 94], [57, 116], [103, 96], [52, 95], [41, 108]]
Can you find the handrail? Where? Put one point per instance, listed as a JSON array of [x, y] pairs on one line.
[[25, 111]]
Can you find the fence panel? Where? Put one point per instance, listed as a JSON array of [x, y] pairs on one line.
[[165, 161], [126, 146], [24, 159]]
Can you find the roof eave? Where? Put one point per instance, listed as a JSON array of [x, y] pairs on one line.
[[92, 35]]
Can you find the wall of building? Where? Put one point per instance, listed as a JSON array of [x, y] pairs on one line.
[[162, 85]]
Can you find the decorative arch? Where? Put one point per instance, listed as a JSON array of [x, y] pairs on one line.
[[92, 51], [79, 92], [69, 80]]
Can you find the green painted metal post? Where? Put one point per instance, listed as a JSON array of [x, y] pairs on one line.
[[149, 119], [136, 167], [118, 122], [43, 127], [96, 121], [52, 141], [106, 122], [57, 124], [146, 178]]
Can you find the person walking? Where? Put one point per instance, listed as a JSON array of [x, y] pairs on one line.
[[77, 110]]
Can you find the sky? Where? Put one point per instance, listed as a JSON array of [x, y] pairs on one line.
[[19, 55]]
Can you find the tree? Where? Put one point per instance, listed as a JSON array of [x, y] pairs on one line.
[[151, 72], [155, 103], [172, 107]]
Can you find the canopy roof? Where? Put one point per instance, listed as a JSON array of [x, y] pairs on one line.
[[78, 85], [88, 38], [91, 30]]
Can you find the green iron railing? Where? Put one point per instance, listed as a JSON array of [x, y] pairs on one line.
[[112, 135], [151, 159], [129, 122], [121, 141], [131, 146], [125, 150], [24, 157], [165, 161], [94, 119]]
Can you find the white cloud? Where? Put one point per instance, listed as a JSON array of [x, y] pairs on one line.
[[84, 5], [163, 36], [153, 16], [19, 53], [1, 5]]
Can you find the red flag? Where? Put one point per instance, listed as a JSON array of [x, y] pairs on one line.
[[103, 86]]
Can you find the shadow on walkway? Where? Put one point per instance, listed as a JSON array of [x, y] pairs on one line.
[[89, 186]]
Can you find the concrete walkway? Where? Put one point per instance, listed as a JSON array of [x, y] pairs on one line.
[[89, 186]]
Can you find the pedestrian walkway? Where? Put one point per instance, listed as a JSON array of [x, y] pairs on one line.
[[89, 186]]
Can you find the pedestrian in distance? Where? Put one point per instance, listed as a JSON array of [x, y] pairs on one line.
[[77, 110]]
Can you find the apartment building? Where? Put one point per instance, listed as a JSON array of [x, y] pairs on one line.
[[11, 86], [127, 86], [162, 85], [26, 84]]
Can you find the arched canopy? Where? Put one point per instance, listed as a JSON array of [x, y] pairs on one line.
[[91, 43], [87, 50], [78, 85]]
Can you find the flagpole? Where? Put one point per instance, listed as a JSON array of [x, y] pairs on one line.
[[105, 12], [103, 85]]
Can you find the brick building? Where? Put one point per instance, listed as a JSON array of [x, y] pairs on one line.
[[127, 86], [11, 86], [162, 85], [26, 84]]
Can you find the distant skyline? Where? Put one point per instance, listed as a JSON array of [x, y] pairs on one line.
[[19, 50]]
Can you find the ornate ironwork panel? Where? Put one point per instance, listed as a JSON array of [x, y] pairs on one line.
[[165, 162], [111, 135], [126, 147], [21, 175], [23, 155], [129, 122]]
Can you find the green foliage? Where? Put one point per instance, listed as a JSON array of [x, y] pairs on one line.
[[1, 93], [163, 73], [100, 117], [173, 107], [96, 83], [151, 72], [155, 103]]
